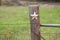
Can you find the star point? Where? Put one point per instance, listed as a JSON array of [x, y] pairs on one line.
[[34, 16]]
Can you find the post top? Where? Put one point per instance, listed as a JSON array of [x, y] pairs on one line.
[[33, 5]]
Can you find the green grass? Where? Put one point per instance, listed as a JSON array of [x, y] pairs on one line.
[[20, 17]]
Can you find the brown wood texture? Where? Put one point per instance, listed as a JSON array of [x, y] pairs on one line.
[[35, 23], [0, 2]]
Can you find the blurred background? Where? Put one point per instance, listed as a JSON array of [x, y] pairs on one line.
[[25, 2], [15, 21]]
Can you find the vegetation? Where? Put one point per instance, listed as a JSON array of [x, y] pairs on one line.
[[14, 22]]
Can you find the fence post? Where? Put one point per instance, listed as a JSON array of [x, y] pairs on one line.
[[34, 21], [0, 2]]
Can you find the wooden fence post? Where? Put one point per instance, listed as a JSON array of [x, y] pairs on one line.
[[34, 21], [0, 2]]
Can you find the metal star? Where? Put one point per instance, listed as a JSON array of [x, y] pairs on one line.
[[34, 16]]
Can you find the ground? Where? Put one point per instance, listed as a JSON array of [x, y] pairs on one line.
[[15, 25]]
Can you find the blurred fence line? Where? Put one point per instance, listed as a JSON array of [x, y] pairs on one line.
[[50, 36], [7, 37], [44, 36]]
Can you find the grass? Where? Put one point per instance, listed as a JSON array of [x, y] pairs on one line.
[[20, 17]]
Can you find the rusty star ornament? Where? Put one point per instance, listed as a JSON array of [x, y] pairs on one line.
[[34, 16]]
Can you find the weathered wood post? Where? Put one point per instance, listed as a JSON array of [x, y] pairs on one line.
[[34, 21], [0, 2]]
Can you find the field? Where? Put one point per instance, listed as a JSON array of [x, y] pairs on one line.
[[14, 23]]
